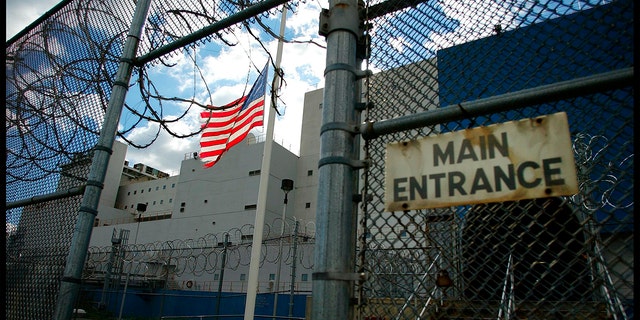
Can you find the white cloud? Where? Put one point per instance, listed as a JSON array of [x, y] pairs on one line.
[[21, 13], [11, 228], [224, 71], [398, 43], [477, 20], [167, 152]]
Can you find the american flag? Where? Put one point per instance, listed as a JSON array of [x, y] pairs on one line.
[[225, 126]]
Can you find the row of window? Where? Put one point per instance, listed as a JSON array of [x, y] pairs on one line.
[[257, 172], [272, 276], [147, 203], [173, 185], [246, 207], [182, 205], [254, 206]]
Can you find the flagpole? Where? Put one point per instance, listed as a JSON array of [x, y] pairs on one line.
[[256, 246]]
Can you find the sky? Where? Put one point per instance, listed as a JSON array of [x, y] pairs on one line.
[[20, 13], [303, 65]]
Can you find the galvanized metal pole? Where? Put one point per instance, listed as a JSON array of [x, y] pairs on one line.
[[284, 216], [334, 271], [573, 88], [47, 197], [224, 261], [70, 282], [293, 270], [247, 13], [124, 295], [115, 243], [256, 245]]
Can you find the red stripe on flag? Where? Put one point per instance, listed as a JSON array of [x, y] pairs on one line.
[[225, 127]]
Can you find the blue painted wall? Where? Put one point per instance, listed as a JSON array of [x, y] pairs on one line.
[[580, 44], [156, 303]]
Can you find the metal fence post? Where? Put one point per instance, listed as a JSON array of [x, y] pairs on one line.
[[224, 261], [293, 270], [70, 282], [334, 271]]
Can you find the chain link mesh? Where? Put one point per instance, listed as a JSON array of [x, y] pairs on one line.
[[59, 74], [191, 264], [567, 257]]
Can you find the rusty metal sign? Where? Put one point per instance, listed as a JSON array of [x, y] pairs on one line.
[[524, 159]]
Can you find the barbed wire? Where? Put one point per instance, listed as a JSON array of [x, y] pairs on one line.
[[202, 255], [56, 102], [597, 192]]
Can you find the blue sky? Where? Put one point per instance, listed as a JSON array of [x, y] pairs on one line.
[[225, 73], [225, 69]]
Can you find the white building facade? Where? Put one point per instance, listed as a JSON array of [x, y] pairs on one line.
[[200, 205]]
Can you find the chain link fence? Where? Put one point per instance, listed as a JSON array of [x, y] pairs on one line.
[[182, 268], [60, 72], [560, 257], [548, 258]]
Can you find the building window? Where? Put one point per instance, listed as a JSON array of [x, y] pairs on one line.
[[161, 201], [183, 204], [304, 277], [135, 192], [170, 200], [307, 205], [216, 276], [173, 185], [164, 187], [129, 193], [181, 209], [125, 207], [254, 172], [157, 188], [243, 276], [142, 191], [149, 190], [272, 276], [309, 172], [205, 200], [154, 202], [250, 206], [320, 105]]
